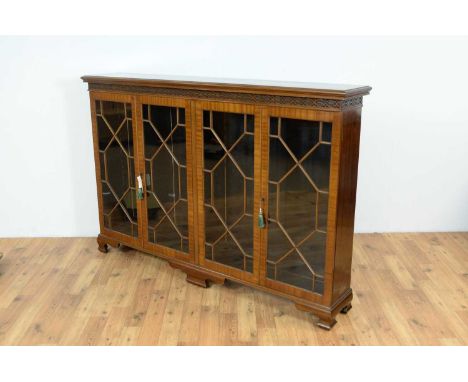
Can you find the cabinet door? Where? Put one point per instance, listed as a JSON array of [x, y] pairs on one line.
[[301, 200], [114, 134], [167, 171], [228, 179]]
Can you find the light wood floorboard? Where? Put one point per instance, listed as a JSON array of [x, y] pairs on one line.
[[409, 289]]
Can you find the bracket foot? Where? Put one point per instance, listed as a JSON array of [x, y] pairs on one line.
[[326, 323], [197, 277], [346, 308], [104, 243]]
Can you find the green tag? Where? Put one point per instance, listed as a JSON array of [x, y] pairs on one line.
[[261, 219], [140, 194]]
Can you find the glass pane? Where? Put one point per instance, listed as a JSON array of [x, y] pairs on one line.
[[228, 182], [317, 166], [299, 170], [300, 136], [166, 183], [326, 132], [115, 137]]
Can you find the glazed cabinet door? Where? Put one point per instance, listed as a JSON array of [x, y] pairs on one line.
[[228, 185], [166, 163], [300, 190], [115, 137]]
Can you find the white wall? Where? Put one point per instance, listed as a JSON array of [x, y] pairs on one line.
[[413, 172]]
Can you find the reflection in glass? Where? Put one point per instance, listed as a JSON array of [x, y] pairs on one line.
[[298, 183], [115, 141], [228, 167], [166, 172]]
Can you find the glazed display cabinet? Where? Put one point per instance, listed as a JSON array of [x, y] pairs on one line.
[[251, 181]]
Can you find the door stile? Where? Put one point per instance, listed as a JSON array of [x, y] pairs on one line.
[[142, 171], [264, 158], [192, 110], [258, 201], [139, 166], [97, 159], [332, 206], [198, 181], [191, 190]]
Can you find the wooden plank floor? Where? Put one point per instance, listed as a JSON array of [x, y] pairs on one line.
[[409, 289]]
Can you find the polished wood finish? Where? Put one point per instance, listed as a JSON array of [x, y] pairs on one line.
[[301, 89], [409, 289], [345, 206], [104, 242], [198, 276], [339, 105], [309, 95]]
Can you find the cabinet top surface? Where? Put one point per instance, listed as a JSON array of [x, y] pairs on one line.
[[230, 84]]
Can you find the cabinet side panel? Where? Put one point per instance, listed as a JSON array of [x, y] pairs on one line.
[[348, 172]]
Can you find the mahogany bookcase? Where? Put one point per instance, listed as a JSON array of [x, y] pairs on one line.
[[252, 181]]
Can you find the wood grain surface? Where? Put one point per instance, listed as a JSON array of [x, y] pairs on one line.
[[409, 289]]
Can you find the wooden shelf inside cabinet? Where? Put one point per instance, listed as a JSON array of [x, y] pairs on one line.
[[252, 181]]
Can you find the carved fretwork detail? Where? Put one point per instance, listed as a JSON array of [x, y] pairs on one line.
[[351, 102], [319, 103]]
